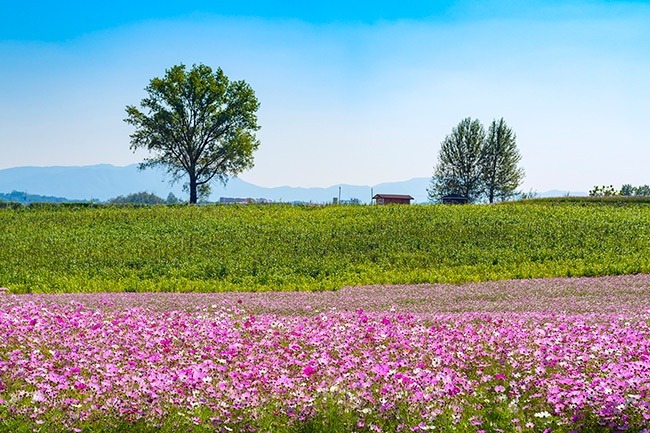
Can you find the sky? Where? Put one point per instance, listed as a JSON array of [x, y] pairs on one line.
[[351, 92]]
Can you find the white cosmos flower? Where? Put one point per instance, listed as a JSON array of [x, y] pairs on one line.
[[38, 396]]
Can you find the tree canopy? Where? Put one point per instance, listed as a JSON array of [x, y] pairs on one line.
[[500, 171], [458, 170], [198, 125], [137, 198], [476, 164], [626, 190]]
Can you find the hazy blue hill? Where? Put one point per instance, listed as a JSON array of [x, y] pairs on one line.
[[22, 197], [416, 188], [557, 193], [100, 182], [104, 181]]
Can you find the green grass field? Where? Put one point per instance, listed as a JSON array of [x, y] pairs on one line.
[[282, 247]]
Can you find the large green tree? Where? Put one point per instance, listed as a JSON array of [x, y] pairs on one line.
[[500, 171], [198, 125], [459, 167]]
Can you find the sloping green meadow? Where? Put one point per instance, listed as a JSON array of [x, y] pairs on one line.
[[281, 247]]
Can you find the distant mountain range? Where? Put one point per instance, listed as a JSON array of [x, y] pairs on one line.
[[103, 182]]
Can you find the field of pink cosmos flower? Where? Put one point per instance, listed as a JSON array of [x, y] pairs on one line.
[[546, 355]]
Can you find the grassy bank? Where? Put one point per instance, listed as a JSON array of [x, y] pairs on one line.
[[277, 247]]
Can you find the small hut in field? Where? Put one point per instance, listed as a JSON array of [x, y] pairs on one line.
[[392, 199]]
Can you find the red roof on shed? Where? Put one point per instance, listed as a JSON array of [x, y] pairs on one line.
[[396, 196]]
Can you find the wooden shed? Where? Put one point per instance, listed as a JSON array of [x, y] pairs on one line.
[[392, 199], [454, 199]]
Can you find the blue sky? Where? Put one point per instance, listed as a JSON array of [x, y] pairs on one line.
[[354, 92]]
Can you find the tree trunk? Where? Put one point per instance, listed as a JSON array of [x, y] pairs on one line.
[[193, 195]]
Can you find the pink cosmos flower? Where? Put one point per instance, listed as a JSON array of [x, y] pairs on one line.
[[140, 355]]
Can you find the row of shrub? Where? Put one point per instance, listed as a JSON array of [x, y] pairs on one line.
[[618, 200]]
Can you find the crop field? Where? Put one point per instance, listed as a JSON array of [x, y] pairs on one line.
[[57, 249], [537, 355]]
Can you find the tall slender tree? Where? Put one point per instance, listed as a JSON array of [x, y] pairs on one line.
[[500, 172], [460, 161], [198, 124]]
